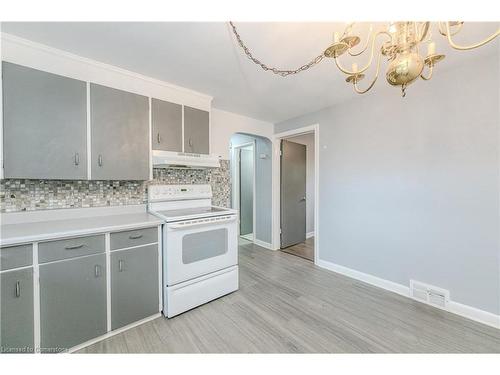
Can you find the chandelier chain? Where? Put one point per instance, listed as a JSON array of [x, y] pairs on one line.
[[277, 71]]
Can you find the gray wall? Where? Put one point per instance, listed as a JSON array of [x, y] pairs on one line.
[[409, 188], [263, 183], [308, 141]]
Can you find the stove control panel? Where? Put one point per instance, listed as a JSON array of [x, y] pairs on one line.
[[178, 192]]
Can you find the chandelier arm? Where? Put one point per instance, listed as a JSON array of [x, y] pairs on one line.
[[424, 31], [431, 70], [347, 30], [355, 84], [348, 72], [443, 33], [472, 46], [368, 37]]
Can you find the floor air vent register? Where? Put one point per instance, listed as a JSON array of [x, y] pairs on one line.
[[429, 294]]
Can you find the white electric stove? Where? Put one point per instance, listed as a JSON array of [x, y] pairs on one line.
[[200, 246]]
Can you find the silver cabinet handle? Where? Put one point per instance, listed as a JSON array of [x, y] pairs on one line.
[[97, 270], [120, 265], [99, 160], [135, 237], [74, 247], [18, 289], [158, 137], [190, 142], [77, 158]]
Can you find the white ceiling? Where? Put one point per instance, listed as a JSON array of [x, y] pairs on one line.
[[205, 57]]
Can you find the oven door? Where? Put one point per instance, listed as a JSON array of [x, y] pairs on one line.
[[195, 248]]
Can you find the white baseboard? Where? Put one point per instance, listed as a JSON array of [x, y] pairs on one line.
[[473, 313], [369, 279], [310, 234], [466, 311], [248, 237], [266, 245]]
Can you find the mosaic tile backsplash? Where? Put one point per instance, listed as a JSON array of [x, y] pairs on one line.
[[30, 195]]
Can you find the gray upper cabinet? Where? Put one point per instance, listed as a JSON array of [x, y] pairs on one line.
[[72, 302], [16, 318], [134, 285], [196, 130], [45, 122], [167, 126], [119, 133]]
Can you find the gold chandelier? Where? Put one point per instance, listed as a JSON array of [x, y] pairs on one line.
[[401, 46]]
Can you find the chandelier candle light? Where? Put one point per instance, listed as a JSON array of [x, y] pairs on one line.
[[401, 47]]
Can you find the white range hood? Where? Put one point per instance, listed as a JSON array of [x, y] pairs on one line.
[[182, 160]]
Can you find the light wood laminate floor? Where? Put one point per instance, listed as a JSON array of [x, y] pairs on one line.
[[287, 305], [304, 249]]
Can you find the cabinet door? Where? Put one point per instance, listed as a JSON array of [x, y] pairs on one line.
[[72, 302], [120, 134], [45, 125], [134, 285], [196, 131], [16, 334], [167, 125]]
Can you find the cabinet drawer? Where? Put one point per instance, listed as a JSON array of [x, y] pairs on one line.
[[129, 238], [16, 256], [70, 248]]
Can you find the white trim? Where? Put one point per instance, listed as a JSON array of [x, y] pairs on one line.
[[465, 311], [57, 52], [248, 237], [160, 267], [150, 114], [107, 247], [36, 300], [367, 278], [276, 199], [132, 247], [89, 134], [236, 184], [310, 234], [263, 244], [112, 333], [182, 128]]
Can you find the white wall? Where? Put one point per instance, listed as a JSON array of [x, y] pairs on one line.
[[226, 124], [308, 141], [409, 187], [52, 60]]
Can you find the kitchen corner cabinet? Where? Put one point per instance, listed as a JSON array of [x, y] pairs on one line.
[[72, 302], [166, 125], [44, 122], [17, 327], [119, 134], [134, 285], [196, 131]]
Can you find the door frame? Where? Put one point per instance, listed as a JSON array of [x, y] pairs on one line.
[[236, 184], [310, 129]]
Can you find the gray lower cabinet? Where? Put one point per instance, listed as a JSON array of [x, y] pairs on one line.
[[167, 126], [72, 302], [119, 133], [196, 131], [44, 124], [134, 285], [16, 333]]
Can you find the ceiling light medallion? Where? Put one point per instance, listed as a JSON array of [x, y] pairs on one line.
[[400, 43]]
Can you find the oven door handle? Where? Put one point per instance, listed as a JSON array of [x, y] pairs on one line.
[[201, 222]]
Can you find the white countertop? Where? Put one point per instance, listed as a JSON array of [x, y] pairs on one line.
[[25, 227]]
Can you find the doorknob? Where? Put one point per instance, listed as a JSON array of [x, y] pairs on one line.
[[303, 199]]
